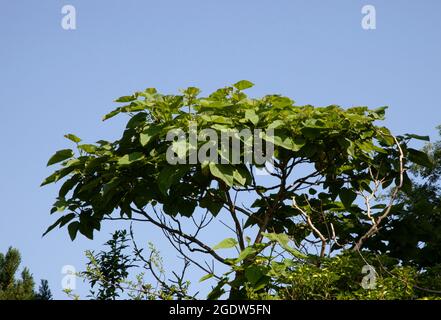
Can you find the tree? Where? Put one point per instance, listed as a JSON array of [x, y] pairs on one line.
[[109, 271], [112, 267], [11, 288], [412, 233], [189, 158], [44, 292]]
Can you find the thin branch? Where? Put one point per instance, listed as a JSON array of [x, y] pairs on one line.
[[374, 228], [312, 226]]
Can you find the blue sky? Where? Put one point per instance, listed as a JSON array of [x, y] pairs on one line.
[[54, 81]]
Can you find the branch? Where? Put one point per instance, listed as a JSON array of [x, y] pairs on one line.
[[181, 234], [312, 226], [232, 209], [374, 228]]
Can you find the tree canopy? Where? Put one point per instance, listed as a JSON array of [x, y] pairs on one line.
[[334, 177]]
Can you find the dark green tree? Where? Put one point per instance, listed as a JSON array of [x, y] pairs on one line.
[[412, 233], [44, 292], [107, 269], [10, 287]]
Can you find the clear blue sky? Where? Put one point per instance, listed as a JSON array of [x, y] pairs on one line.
[[54, 81]]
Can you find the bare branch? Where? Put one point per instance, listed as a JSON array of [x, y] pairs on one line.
[[376, 223]]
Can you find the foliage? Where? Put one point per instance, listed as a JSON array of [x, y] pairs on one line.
[[340, 278], [10, 287], [109, 271], [412, 233], [109, 268], [44, 292], [330, 167]]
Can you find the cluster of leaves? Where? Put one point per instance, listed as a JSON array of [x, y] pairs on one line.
[[108, 272], [341, 278], [109, 268], [336, 278], [413, 232]]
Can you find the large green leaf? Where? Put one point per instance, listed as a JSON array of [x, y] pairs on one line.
[[283, 240], [149, 133], [60, 155], [170, 175], [251, 115], [418, 137], [130, 158], [126, 98], [243, 84], [226, 244], [206, 277], [254, 273], [347, 196], [419, 157], [245, 254], [73, 229], [89, 148], [72, 137], [225, 172], [242, 175]]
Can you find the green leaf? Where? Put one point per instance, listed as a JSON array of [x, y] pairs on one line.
[[245, 253], [243, 84], [385, 136], [126, 98], [60, 222], [276, 124], [89, 148], [206, 277], [254, 274], [151, 91], [347, 196], [52, 178], [112, 114], [283, 240], [213, 205], [170, 175], [68, 185], [378, 113], [217, 290], [419, 157], [284, 141], [148, 134], [186, 207], [311, 133], [192, 91], [225, 244], [130, 158], [60, 155], [242, 176], [73, 229], [224, 172], [72, 137], [418, 137], [250, 114]]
